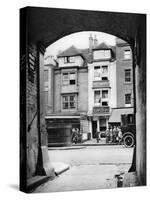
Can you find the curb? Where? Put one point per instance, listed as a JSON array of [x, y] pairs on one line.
[[60, 167], [35, 182], [66, 148]]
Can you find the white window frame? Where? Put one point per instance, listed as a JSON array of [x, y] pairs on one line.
[[127, 54], [101, 98], [126, 103], [69, 79], [69, 102]]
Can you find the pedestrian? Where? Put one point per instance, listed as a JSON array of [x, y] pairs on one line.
[[120, 136], [111, 134], [107, 135], [97, 136]]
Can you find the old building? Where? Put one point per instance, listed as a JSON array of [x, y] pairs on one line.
[[88, 89], [124, 83], [70, 97], [101, 87]]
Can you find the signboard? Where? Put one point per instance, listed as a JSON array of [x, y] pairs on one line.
[[101, 110]]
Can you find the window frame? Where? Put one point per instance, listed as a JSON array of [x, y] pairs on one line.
[[126, 101], [127, 56], [101, 98], [68, 59], [69, 101], [69, 79], [126, 78]]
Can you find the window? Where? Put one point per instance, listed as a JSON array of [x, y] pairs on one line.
[[105, 69], [127, 75], [97, 73], [72, 79], [69, 102], [101, 97], [65, 79], [105, 94], [97, 98], [69, 78], [102, 54], [130, 119], [128, 99], [104, 103], [105, 78], [69, 59], [127, 54]]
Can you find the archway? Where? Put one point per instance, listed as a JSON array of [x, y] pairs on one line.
[[48, 25]]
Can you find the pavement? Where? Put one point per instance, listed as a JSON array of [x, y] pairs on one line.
[[34, 182], [92, 167]]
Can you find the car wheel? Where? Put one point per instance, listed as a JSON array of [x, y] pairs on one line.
[[128, 141]]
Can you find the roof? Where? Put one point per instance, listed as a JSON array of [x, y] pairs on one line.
[[101, 46], [71, 51], [117, 112]]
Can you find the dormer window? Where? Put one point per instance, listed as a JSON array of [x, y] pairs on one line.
[[69, 59], [102, 54]]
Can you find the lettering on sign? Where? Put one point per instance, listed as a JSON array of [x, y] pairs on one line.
[[101, 110]]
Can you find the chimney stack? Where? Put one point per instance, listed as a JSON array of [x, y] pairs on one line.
[[90, 43], [95, 41]]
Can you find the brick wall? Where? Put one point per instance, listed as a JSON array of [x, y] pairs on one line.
[[122, 87]]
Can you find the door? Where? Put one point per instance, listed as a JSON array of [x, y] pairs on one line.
[[94, 127]]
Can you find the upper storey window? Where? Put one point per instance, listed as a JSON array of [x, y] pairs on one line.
[[69, 59], [102, 54], [101, 72], [127, 54], [69, 78]]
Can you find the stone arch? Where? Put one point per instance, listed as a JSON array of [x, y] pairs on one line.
[[44, 26]]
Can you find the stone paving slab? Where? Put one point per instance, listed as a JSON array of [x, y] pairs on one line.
[[84, 177]]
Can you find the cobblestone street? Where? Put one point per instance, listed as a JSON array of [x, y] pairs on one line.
[[92, 167]]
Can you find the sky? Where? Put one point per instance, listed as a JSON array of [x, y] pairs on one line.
[[79, 40]]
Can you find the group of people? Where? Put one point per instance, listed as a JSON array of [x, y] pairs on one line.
[[76, 136], [114, 135]]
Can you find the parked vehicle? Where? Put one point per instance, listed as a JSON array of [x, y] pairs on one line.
[[128, 130]]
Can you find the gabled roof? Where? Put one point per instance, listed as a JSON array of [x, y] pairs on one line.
[[71, 51], [101, 46]]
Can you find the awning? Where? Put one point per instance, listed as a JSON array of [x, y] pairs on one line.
[[117, 112]]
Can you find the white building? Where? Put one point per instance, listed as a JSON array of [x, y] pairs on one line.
[[101, 87]]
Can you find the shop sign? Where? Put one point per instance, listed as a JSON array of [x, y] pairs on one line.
[[101, 110]]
